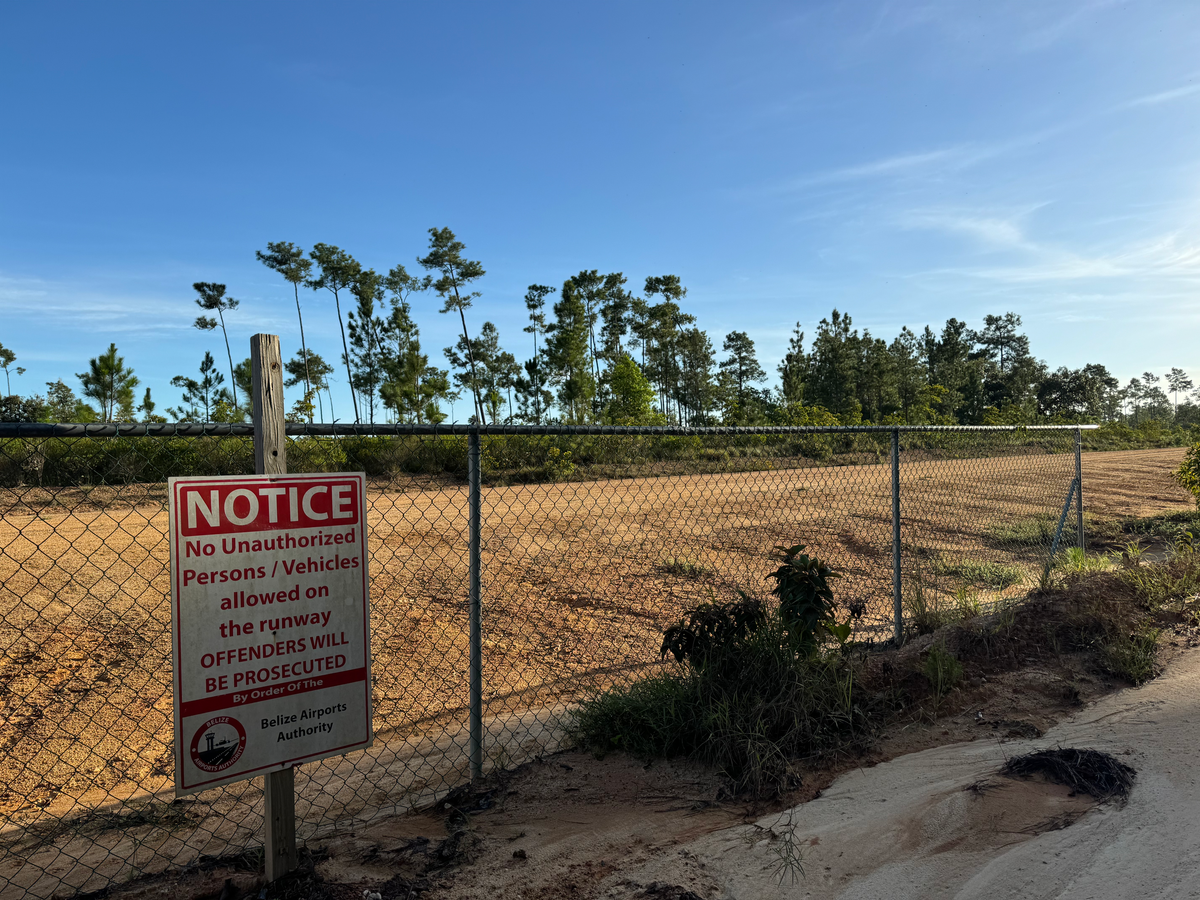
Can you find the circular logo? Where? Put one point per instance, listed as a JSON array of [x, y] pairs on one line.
[[218, 744]]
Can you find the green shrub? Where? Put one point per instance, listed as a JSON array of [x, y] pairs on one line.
[[713, 631], [1188, 473], [806, 604], [747, 708], [754, 686]]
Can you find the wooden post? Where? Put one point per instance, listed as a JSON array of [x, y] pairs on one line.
[[270, 458], [266, 373]]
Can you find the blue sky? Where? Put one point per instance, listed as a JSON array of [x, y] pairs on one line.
[[904, 162]]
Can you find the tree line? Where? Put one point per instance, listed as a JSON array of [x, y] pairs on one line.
[[598, 351]]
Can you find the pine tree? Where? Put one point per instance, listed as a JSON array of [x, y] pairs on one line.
[[666, 321], [307, 367], [876, 385], [368, 357], [110, 383], [531, 387], [697, 388], [288, 260], [742, 370], [205, 392], [833, 379], [338, 271], [1178, 380], [445, 258], [793, 371], [7, 358], [212, 299], [485, 378], [911, 374], [632, 397], [567, 355]]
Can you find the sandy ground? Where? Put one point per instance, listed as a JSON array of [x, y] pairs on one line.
[[941, 822], [911, 828]]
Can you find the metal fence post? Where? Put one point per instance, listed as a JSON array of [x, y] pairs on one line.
[[1079, 489], [897, 590], [270, 458], [476, 638]]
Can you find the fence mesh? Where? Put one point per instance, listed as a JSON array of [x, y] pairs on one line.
[[591, 543]]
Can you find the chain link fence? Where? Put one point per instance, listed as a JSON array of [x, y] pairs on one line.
[[590, 541]]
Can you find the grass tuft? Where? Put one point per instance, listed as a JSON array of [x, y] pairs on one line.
[[943, 670], [993, 575], [683, 567], [1133, 657]]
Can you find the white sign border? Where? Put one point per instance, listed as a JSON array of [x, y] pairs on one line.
[[182, 790]]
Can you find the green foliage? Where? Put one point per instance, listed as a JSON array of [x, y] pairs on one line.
[[924, 614], [1188, 473], [1074, 563], [568, 354], [983, 573], [631, 396], [741, 367], [943, 670], [749, 710], [110, 383], [288, 260], [1169, 583], [683, 566], [966, 601], [713, 630], [203, 397], [1133, 657], [927, 610], [1034, 531], [454, 274], [754, 689], [806, 604], [7, 358], [337, 270], [212, 299], [558, 464]]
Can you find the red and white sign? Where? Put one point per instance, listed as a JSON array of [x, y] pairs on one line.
[[271, 623]]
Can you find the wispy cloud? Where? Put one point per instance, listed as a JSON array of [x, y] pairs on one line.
[[933, 163], [1044, 36], [1174, 255], [993, 231], [887, 166], [83, 310], [1162, 97]]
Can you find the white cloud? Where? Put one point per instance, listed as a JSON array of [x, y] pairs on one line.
[[82, 310], [1162, 97], [892, 165], [1172, 255]]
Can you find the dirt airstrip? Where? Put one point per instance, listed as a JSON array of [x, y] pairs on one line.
[[579, 579]]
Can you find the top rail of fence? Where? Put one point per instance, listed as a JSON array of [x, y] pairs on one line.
[[220, 429]]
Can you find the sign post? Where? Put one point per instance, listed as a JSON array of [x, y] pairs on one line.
[[270, 619]]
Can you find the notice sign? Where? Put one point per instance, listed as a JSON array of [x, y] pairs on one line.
[[270, 621]]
